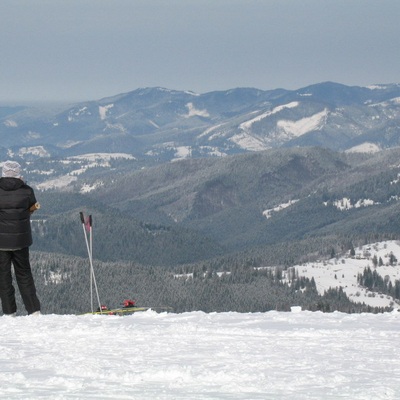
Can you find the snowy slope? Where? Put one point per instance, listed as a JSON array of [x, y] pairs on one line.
[[76, 166], [343, 271], [298, 355]]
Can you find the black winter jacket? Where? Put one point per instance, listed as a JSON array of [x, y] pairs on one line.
[[15, 227]]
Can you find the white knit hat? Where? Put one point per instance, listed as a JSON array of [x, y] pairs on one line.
[[11, 169]]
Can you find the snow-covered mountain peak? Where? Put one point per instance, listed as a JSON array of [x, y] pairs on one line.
[[238, 120]]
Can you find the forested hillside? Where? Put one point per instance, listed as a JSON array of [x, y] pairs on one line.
[[63, 286], [118, 236], [200, 209]]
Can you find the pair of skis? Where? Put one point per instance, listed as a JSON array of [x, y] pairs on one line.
[[88, 233]]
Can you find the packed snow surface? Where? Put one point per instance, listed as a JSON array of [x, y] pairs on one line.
[[273, 355]]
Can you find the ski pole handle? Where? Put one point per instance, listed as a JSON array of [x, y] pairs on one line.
[[82, 217]]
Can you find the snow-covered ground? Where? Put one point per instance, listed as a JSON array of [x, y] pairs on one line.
[[343, 272], [273, 355]]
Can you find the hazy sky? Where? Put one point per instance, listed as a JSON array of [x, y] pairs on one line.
[[89, 49]]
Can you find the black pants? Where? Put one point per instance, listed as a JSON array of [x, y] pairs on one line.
[[23, 275]]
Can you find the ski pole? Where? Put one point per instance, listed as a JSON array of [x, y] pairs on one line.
[[89, 223], [92, 268], [91, 257], [89, 247]]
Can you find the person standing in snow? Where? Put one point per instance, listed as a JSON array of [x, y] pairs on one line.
[[17, 202]]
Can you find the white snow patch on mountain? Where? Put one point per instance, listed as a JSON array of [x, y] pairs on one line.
[[246, 126], [304, 125], [60, 182], [10, 123], [56, 277], [41, 172], [343, 204], [211, 129], [115, 127], [396, 181], [193, 112], [346, 204], [86, 188], [212, 151], [77, 113], [248, 142], [81, 111], [153, 123], [39, 151], [85, 167], [377, 87], [68, 144], [342, 272], [103, 111], [364, 148], [182, 152], [268, 213], [86, 163], [102, 156], [192, 93], [388, 103]]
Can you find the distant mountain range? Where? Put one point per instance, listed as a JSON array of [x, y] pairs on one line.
[[177, 177], [157, 125]]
